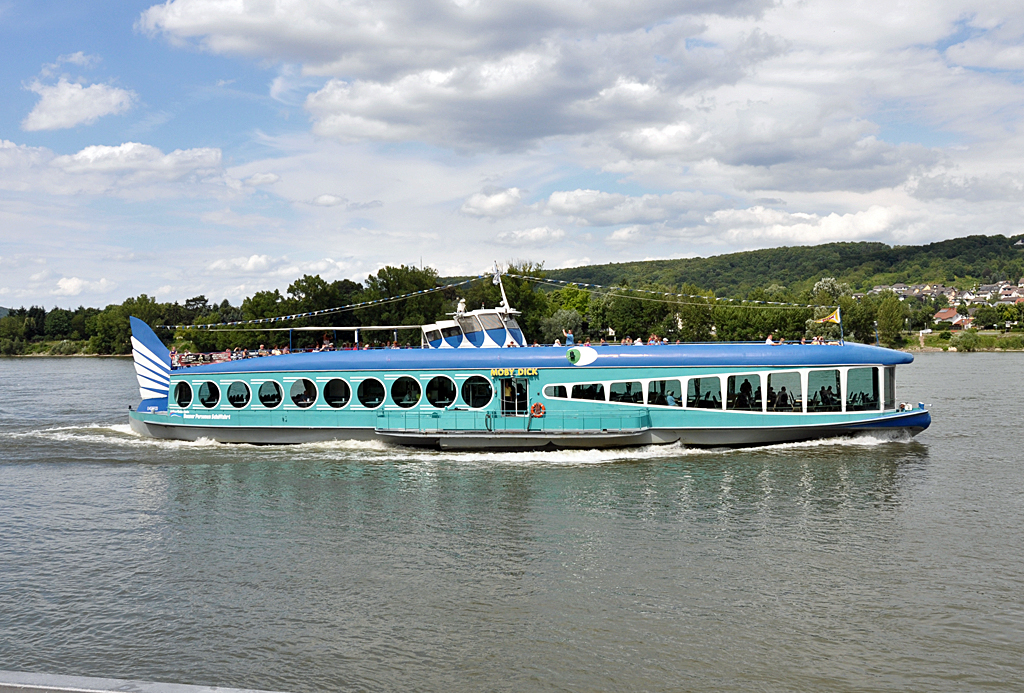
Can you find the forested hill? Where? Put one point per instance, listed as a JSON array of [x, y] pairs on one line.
[[862, 265]]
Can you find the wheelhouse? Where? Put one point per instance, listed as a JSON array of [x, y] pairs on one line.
[[494, 328]]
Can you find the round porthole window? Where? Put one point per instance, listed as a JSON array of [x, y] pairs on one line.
[[238, 394], [270, 394], [405, 392], [477, 391], [441, 391], [337, 393], [371, 393], [209, 394], [303, 393], [183, 394]]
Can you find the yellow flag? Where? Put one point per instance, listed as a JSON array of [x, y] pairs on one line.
[[831, 317]]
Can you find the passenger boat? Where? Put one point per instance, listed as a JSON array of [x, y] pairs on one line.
[[473, 384]]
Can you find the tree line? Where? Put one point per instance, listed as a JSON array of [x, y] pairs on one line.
[[961, 262], [681, 312]]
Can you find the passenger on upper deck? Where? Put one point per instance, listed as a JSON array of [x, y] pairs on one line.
[[569, 341]]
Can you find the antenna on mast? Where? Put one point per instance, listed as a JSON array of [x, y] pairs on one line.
[[497, 281]]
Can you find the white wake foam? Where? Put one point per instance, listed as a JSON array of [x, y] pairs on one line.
[[121, 434]]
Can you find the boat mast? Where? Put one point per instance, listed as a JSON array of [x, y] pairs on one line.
[[497, 281]]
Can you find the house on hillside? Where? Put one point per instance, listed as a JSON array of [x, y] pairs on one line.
[[953, 319]]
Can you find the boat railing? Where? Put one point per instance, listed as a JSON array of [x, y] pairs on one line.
[[187, 359], [496, 422]]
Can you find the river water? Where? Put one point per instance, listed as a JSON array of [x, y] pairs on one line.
[[865, 564]]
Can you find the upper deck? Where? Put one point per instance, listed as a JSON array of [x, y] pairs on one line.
[[709, 355]]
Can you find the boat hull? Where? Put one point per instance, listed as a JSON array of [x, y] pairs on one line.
[[162, 426]]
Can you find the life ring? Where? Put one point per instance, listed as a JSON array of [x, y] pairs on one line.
[[537, 410]]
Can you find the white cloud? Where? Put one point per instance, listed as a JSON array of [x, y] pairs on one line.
[[67, 104], [988, 54], [495, 204], [597, 208], [535, 237], [253, 263], [262, 179], [130, 169], [79, 58], [73, 286], [328, 200], [136, 157], [627, 235], [759, 225], [228, 217]]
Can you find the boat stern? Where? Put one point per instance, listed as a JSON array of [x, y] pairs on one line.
[[152, 367]]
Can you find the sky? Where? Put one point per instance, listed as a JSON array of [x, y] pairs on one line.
[[222, 147]]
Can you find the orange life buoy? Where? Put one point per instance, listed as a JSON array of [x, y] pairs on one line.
[[537, 410]]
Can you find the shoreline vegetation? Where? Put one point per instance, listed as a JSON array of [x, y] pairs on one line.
[[819, 278], [937, 342]]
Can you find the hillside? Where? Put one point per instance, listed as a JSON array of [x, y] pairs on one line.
[[862, 265]]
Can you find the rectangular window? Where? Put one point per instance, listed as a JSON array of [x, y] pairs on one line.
[[469, 324], [862, 389], [592, 391], [555, 391], [665, 393], [890, 387], [491, 321], [823, 391], [704, 393], [744, 392], [785, 392], [631, 393]]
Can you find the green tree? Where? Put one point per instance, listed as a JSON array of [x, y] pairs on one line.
[[58, 323], [523, 295], [570, 297], [636, 314], [988, 316], [562, 319], [965, 340], [416, 310], [891, 314], [12, 327], [694, 317]]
